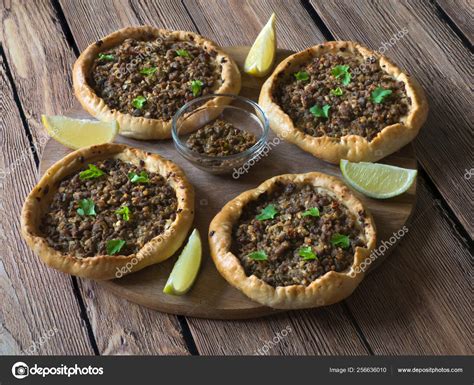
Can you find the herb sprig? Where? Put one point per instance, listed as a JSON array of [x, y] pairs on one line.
[[320, 112], [342, 73], [92, 173], [86, 207], [114, 246], [259, 255], [268, 212]]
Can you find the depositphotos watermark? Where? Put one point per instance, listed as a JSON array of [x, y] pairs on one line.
[[36, 345], [121, 271], [21, 370], [379, 251], [274, 341], [262, 153]]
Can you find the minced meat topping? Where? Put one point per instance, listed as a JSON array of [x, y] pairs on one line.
[[154, 78], [295, 234], [335, 95], [220, 138], [111, 208]]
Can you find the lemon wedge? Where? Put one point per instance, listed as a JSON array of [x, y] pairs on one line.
[[260, 58], [78, 133], [377, 180], [185, 270]]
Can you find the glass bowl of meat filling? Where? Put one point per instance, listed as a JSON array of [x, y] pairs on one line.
[[220, 133]]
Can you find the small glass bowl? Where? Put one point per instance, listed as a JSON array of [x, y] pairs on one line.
[[241, 112]]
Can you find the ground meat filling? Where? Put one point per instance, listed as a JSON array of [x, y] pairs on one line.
[[151, 207], [353, 106], [304, 239], [220, 138], [154, 78]]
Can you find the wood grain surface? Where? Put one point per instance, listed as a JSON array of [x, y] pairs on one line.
[[461, 12], [35, 301], [417, 302]]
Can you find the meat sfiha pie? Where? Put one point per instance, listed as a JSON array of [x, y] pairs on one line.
[[141, 76], [295, 241], [340, 100], [107, 209]]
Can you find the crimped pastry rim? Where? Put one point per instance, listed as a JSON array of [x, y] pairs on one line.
[[327, 289], [354, 148], [141, 127], [102, 267]]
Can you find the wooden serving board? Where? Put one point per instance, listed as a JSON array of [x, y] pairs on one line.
[[211, 296]]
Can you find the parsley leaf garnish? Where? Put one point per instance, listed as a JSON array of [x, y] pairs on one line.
[[139, 102], [320, 112], [196, 86], [336, 91], [114, 246], [340, 240], [259, 255], [92, 173], [341, 72], [147, 71], [86, 207], [182, 53], [301, 75], [124, 211], [307, 253], [379, 95], [106, 57], [139, 178], [312, 212], [268, 212]]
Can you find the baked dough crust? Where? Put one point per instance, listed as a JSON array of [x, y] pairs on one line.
[[325, 290], [102, 267], [351, 147], [140, 127]]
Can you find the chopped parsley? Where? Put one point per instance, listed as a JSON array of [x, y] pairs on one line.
[[320, 112], [139, 178], [341, 72], [379, 95], [259, 255], [196, 86], [86, 207], [106, 57], [92, 173], [336, 91], [139, 102], [301, 75], [114, 246], [312, 212], [182, 53], [148, 71], [124, 211], [340, 240], [307, 253], [268, 212]]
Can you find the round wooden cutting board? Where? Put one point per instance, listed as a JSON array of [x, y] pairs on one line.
[[211, 296]]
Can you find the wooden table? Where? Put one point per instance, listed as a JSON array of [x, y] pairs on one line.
[[417, 302]]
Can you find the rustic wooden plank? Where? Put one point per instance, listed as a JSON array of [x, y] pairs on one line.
[[434, 55], [419, 300], [42, 61], [461, 12], [39, 57], [122, 327], [238, 22], [91, 21], [36, 302]]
